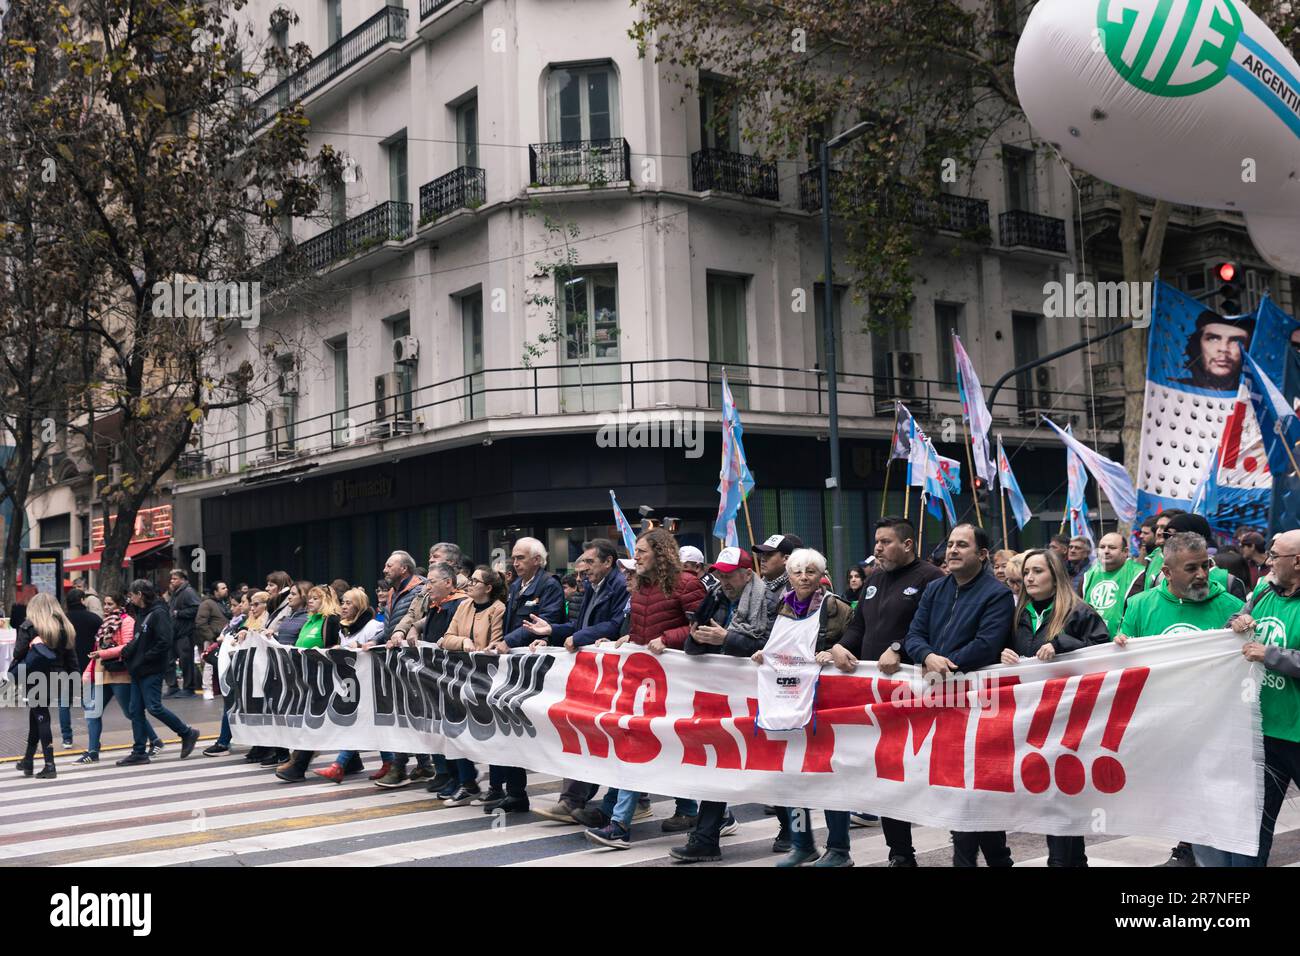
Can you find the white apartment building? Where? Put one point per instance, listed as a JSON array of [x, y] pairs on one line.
[[409, 416]]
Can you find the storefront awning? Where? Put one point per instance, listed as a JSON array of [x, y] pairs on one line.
[[134, 550]]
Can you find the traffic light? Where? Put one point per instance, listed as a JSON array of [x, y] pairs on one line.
[[1230, 290], [981, 492]]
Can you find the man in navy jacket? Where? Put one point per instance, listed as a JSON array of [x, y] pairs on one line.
[[600, 614], [962, 624]]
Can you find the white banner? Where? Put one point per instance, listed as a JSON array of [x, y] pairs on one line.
[[1161, 739]]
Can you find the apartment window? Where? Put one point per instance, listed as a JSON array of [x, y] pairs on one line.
[[405, 372], [395, 149], [56, 532], [288, 398], [892, 362], [467, 133], [728, 336], [338, 204], [339, 352], [471, 316], [589, 305], [719, 128], [947, 323], [1018, 173], [241, 433], [333, 21], [582, 103], [819, 321], [1027, 345]]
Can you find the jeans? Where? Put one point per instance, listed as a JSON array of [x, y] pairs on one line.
[[149, 697], [837, 822], [97, 697], [624, 807], [1065, 851], [966, 848], [898, 837], [1281, 769], [465, 771]]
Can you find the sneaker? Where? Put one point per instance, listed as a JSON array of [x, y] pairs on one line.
[[188, 742], [642, 811], [47, 772], [87, 757], [593, 818], [463, 797], [834, 858], [438, 783], [24, 767], [395, 778], [155, 748], [678, 823], [611, 835], [514, 804], [903, 861], [729, 826], [797, 857], [1181, 856], [863, 820], [560, 812], [781, 844], [254, 755], [422, 772], [354, 765], [290, 773], [491, 799], [382, 772], [695, 852], [67, 743], [333, 772], [131, 760], [216, 750], [271, 760]]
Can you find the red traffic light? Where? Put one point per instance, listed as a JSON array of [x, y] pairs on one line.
[[1227, 271]]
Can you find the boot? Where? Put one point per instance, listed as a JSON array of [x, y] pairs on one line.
[[48, 772], [355, 765], [24, 766]]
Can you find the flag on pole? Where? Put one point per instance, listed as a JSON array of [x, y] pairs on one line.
[[735, 480], [1076, 498], [1019, 507], [1277, 419], [625, 529], [1205, 501], [1112, 477], [903, 425], [950, 472], [974, 410], [936, 488]]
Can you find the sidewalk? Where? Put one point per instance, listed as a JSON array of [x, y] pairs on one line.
[[195, 711]]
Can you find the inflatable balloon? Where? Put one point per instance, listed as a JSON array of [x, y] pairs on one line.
[[1193, 101]]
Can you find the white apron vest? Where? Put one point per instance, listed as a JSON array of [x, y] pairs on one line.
[[787, 678]]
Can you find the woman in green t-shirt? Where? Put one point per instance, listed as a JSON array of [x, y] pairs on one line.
[[321, 628]]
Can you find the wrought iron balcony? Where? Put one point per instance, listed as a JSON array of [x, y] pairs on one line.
[[429, 7], [463, 188], [387, 25], [388, 222], [943, 212], [736, 173], [810, 188], [1020, 228], [593, 162]]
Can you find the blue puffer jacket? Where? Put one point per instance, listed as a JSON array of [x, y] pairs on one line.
[[606, 618], [969, 625]]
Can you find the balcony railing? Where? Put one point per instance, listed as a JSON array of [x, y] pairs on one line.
[[1020, 228], [810, 188], [387, 25], [943, 212], [388, 222], [734, 173], [463, 188], [593, 162], [641, 384], [429, 7]]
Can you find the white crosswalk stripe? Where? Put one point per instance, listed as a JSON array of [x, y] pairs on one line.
[[223, 811]]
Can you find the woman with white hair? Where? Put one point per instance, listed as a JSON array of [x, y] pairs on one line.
[[806, 598]]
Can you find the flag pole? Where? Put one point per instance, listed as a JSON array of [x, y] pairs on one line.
[[907, 498], [889, 465], [920, 524], [970, 462], [1002, 496], [744, 501]]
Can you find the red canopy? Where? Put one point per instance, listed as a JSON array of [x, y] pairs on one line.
[[136, 549]]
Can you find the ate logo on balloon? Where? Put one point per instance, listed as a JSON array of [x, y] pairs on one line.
[[1167, 55]]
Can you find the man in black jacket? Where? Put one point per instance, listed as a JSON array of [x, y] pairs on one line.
[[184, 610], [878, 628], [146, 657]]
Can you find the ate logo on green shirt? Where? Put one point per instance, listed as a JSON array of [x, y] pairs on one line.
[[1103, 594]]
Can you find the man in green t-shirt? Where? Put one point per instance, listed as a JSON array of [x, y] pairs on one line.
[[1107, 584], [1185, 600], [1157, 557], [1273, 615]]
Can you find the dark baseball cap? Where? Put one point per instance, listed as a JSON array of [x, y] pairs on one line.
[[785, 543]]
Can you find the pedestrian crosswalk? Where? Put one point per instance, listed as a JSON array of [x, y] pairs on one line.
[[225, 812]]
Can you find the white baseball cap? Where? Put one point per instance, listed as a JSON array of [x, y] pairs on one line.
[[689, 553]]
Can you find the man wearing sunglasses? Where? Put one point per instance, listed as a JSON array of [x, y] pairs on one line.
[[1156, 559]]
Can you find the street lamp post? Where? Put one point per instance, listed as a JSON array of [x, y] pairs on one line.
[[839, 558]]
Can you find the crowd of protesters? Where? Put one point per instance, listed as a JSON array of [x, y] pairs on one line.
[[965, 609]]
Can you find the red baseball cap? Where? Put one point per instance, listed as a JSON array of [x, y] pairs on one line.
[[732, 558]]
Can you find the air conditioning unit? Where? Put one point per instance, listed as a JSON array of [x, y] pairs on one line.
[[386, 389], [288, 382], [279, 430], [1045, 385], [1037, 396], [406, 350], [906, 369]]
